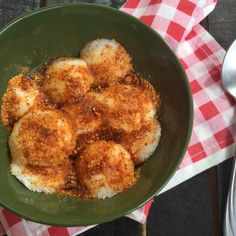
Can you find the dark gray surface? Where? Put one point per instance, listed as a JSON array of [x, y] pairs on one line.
[[10, 9], [188, 209], [109, 3], [102, 2], [120, 227], [184, 210], [222, 26], [223, 22]]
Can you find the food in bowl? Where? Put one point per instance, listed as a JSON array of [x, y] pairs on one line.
[[107, 59], [22, 94], [81, 126], [66, 79], [105, 168]]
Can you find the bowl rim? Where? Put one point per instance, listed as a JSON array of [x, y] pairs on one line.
[[189, 125]]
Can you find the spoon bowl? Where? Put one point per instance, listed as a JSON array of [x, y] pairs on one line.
[[228, 73]]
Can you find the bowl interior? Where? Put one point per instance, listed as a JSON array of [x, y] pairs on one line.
[[61, 31]]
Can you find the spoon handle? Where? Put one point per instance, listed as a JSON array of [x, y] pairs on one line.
[[230, 211]]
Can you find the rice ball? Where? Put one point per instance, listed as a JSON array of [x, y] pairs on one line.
[[21, 96], [66, 79], [142, 143], [107, 59], [105, 168], [127, 106], [41, 179], [86, 114], [154, 100], [42, 138]]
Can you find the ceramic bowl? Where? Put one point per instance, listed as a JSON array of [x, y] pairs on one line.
[[63, 30]]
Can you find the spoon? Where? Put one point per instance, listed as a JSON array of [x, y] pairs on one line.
[[228, 76]]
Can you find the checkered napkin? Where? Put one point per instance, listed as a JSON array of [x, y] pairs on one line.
[[201, 56]]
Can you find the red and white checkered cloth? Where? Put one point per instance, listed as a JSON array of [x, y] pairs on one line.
[[201, 56]]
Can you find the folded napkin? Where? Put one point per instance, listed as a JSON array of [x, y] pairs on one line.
[[201, 56]]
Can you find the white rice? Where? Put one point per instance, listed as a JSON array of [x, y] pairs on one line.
[[92, 52], [151, 141], [32, 182]]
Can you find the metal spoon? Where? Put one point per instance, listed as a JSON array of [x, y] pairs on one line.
[[228, 76]]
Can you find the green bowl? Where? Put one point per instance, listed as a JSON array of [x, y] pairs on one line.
[[63, 30]]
